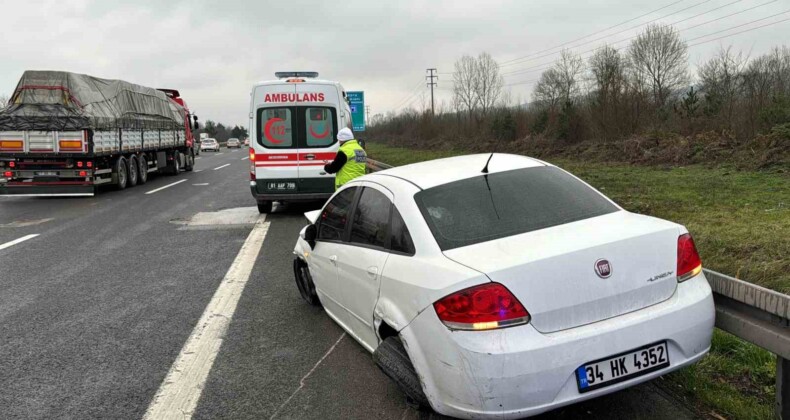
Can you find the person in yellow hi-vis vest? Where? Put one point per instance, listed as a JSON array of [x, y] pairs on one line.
[[351, 159]]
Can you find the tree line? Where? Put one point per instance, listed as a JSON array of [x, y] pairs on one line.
[[614, 94], [222, 132]]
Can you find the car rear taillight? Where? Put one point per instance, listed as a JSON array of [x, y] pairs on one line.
[[689, 263], [483, 307], [8, 174]]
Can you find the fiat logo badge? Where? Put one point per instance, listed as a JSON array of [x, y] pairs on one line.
[[603, 269]]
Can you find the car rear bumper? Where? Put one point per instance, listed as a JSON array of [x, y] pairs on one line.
[[518, 371]]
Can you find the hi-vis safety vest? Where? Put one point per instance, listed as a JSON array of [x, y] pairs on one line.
[[356, 161]]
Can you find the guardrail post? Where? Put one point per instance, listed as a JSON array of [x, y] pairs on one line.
[[782, 388]]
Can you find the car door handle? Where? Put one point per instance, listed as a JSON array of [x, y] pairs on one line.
[[333, 259], [373, 271], [310, 157]]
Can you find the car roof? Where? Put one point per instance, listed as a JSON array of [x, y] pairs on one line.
[[431, 173]]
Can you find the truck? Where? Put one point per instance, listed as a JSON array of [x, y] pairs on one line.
[[67, 134]]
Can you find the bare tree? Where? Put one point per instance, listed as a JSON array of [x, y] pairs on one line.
[[548, 90], [569, 69], [608, 70], [721, 79], [660, 60], [465, 82], [4, 100], [490, 82]]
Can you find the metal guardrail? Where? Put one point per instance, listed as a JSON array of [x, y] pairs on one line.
[[753, 313]]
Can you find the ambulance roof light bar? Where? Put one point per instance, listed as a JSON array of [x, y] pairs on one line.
[[284, 74]]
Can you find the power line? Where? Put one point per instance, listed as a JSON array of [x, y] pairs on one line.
[[703, 36], [740, 32], [412, 91], [598, 32], [512, 62], [539, 67]]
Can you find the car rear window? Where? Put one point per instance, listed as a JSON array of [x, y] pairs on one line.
[[498, 205]]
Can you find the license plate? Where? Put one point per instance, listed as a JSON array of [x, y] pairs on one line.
[[46, 173], [282, 186], [624, 366]]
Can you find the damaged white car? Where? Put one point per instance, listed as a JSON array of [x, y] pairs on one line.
[[499, 286]]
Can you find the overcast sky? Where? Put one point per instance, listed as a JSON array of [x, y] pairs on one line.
[[213, 51]]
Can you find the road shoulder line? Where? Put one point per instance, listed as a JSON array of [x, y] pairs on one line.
[[180, 391]]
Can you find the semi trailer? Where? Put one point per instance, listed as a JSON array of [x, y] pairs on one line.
[[67, 134]]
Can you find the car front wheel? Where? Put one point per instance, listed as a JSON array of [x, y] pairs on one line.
[[304, 282]]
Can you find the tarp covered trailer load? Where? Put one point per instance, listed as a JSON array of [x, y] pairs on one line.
[[65, 133]]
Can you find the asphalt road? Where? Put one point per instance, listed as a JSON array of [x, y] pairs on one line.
[[95, 310]]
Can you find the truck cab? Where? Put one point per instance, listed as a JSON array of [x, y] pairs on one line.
[[294, 122]]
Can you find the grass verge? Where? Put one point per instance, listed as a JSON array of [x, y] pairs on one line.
[[741, 224]]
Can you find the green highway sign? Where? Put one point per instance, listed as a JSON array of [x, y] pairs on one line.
[[356, 100]]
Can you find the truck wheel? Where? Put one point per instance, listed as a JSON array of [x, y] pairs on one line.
[[264, 207], [304, 281], [133, 170], [392, 359], [121, 173], [190, 162], [175, 167], [142, 165]]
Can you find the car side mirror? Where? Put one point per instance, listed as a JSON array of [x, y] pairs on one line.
[[309, 234]]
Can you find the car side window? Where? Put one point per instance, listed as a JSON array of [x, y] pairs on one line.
[[401, 239], [334, 217], [371, 219]]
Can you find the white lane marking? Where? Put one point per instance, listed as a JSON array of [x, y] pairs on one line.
[[201, 184], [245, 158], [166, 186], [180, 391], [220, 153], [304, 378], [220, 167], [16, 241], [198, 170], [198, 158]]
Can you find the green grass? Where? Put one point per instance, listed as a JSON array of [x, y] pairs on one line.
[[741, 224]]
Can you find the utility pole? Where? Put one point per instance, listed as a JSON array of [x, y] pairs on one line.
[[367, 114], [432, 74]]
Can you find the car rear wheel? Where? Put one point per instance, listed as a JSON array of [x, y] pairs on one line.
[[133, 173], [392, 359], [305, 282], [142, 165], [264, 207]]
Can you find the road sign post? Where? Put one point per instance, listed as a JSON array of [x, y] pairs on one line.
[[356, 100]]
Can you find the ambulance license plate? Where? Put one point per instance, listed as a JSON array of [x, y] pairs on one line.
[[46, 173], [624, 366], [282, 186]]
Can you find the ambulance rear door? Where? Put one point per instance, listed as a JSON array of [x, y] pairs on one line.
[[318, 119], [276, 139]]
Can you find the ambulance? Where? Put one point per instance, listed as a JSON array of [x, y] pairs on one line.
[[294, 122]]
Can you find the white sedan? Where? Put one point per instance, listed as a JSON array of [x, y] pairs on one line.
[[209, 144], [499, 286]]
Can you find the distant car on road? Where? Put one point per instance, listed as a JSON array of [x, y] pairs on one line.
[[499, 286], [209, 144], [233, 142]]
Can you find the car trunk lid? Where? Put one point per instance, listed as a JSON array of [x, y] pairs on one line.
[[553, 271]]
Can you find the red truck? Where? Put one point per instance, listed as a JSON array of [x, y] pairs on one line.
[[66, 134]]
